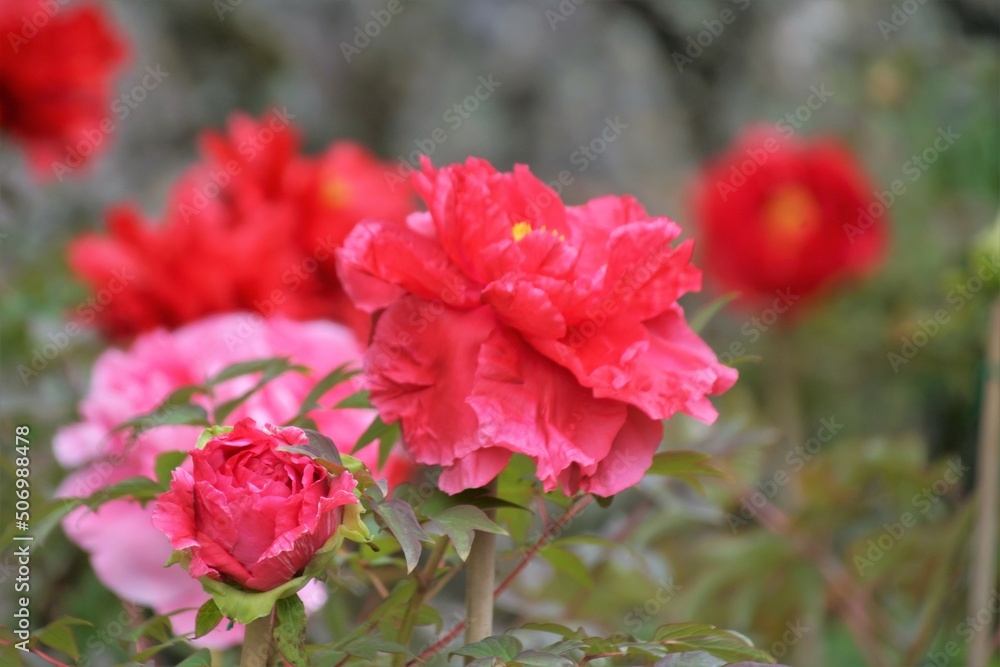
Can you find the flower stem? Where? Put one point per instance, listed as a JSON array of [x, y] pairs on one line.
[[547, 535], [984, 575], [424, 579], [257, 644], [481, 569]]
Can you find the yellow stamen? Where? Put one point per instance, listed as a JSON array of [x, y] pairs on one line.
[[790, 213], [520, 230], [336, 193]]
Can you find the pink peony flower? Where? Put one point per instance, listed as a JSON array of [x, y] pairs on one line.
[[126, 551], [250, 512], [515, 324]]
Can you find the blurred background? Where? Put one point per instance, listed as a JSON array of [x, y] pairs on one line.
[[551, 77]]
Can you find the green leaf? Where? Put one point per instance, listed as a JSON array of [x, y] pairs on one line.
[[158, 628], [368, 648], [270, 364], [185, 414], [504, 647], [325, 384], [681, 630], [165, 464], [271, 368], [59, 636], [184, 395], [704, 314], [208, 618], [533, 658], [566, 562], [210, 433], [358, 399], [376, 430], [202, 658], [137, 488], [728, 646], [290, 630], [459, 523], [402, 523], [319, 447], [148, 653], [553, 628], [684, 465]]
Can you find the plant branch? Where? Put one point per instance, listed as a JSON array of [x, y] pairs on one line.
[[575, 508], [984, 575], [424, 578], [257, 643], [481, 570]]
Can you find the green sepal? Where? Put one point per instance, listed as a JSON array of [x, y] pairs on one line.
[[353, 526], [211, 432]]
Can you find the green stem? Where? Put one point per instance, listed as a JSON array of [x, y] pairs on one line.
[[425, 576], [984, 574], [257, 644], [481, 572]]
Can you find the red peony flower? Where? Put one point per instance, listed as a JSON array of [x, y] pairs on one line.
[[514, 324], [56, 64], [787, 218], [253, 227], [249, 512]]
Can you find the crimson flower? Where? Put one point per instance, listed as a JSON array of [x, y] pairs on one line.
[[56, 88], [515, 324], [252, 227], [250, 512], [787, 218]]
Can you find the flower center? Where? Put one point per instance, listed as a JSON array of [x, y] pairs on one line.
[[523, 228], [790, 213], [520, 230], [336, 193]]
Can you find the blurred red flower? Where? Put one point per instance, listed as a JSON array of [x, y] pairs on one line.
[[56, 66], [253, 227], [785, 218], [515, 324]]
